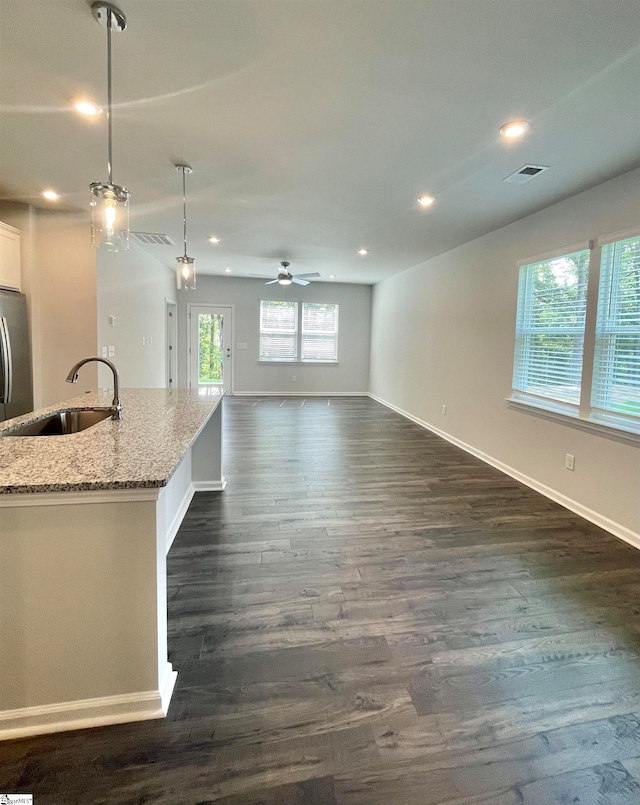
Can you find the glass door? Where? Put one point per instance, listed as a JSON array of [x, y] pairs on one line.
[[210, 353]]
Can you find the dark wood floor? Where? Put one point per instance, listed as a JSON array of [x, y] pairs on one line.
[[370, 616]]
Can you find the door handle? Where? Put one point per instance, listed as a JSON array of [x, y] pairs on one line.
[[7, 363]]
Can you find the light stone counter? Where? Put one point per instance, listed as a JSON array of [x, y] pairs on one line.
[[86, 521], [142, 450]]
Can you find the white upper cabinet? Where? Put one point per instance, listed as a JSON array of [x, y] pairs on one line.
[[9, 257]]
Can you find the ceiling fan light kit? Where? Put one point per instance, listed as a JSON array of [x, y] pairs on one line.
[[109, 201], [285, 277]]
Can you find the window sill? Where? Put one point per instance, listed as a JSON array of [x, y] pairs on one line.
[[555, 413], [299, 363]]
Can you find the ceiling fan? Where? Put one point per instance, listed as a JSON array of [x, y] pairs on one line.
[[285, 278]]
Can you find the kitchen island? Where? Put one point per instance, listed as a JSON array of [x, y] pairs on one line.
[[86, 520]]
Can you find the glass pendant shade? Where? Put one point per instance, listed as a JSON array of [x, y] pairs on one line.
[[186, 273], [109, 216], [109, 201]]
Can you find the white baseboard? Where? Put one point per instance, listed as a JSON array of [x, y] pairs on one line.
[[166, 688], [301, 394], [86, 713], [210, 486], [179, 516], [194, 486], [592, 516]]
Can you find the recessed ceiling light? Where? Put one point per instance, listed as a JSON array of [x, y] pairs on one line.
[[50, 195], [228, 270], [87, 108], [332, 276], [214, 239], [363, 251], [514, 128], [425, 200]]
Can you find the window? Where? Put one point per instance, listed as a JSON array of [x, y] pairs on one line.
[[289, 329], [550, 325], [566, 327], [319, 332], [278, 331], [616, 370]]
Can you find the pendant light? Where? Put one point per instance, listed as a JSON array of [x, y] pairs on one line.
[[109, 201], [185, 266]]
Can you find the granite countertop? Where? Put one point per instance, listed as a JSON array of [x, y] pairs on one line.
[[142, 450]]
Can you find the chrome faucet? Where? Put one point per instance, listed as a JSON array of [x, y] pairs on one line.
[[116, 405]]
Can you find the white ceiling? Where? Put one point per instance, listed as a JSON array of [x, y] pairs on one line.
[[312, 125]]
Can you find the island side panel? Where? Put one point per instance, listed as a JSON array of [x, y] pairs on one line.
[[83, 611], [206, 455]]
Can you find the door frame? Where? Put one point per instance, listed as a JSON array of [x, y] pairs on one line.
[[171, 340], [232, 308]]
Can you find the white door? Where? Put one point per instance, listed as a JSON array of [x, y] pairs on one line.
[[210, 353]]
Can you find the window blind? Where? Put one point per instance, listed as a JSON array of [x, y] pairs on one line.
[[616, 371], [278, 331], [550, 323], [319, 332]]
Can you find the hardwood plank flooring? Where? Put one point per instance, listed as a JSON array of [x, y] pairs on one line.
[[370, 616]]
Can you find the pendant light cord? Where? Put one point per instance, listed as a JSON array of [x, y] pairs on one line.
[[109, 123], [184, 208]]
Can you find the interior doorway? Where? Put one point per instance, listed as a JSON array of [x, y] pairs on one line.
[[211, 348], [171, 330]]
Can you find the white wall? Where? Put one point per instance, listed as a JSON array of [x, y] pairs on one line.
[[72, 289], [443, 333], [351, 375], [133, 287], [59, 280], [64, 288]]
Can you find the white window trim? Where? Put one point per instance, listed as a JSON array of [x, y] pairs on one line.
[[613, 431], [297, 359], [556, 253], [624, 234], [583, 417]]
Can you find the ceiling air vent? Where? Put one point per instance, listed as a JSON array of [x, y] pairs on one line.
[[525, 173], [152, 239]]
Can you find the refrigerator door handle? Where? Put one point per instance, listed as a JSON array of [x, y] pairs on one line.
[[7, 363]]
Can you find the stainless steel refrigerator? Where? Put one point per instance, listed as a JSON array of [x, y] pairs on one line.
[[16, 390]]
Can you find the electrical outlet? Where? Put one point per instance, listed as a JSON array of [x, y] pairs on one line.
[[112, 321], [150, 340], [569, 462], [105, 352], [444, 410], [293, 378], [112, 352]]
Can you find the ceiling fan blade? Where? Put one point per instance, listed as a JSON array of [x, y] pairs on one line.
[[299, 282], [315, 274], [262, 276], [271, 283]]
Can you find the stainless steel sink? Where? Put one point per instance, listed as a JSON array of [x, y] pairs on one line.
[[61, 423]]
